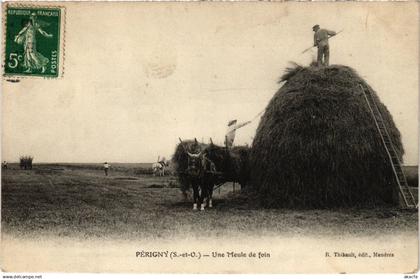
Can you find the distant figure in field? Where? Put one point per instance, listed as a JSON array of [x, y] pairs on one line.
[[321, 37], [231, 131], [4, 165], [106, 168], [162, 161], [159, 167]]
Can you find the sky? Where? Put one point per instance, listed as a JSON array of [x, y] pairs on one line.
[[139, 75]]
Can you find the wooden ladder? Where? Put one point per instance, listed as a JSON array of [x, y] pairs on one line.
[[404, 190]]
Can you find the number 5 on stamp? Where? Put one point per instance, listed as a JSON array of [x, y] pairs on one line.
[[33, 43]]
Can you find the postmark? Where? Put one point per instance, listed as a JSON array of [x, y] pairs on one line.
[[33, 41]]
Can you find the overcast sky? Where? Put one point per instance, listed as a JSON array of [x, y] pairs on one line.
[[140, 75]]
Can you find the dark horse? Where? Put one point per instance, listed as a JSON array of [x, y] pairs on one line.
[[201, 173]]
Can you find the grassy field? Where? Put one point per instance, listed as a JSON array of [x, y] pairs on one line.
[[76, 200]]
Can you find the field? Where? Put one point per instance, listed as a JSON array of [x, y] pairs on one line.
[[78, 201]]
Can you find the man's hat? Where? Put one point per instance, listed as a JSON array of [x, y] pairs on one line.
[[315, 26]]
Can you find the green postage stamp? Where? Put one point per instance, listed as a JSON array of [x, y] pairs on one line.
[[33, 41]]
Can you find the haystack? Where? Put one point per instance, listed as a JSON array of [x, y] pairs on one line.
[[25, 162], [317, 144]]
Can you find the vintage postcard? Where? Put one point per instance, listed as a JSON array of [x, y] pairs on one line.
[[209, 137]]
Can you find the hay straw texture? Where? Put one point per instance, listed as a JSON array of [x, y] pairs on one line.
[[317, 144]]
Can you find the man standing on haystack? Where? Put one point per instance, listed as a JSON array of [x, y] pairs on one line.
[[231, 131], [321, 37]]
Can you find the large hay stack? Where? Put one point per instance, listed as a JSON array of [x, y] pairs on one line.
[[317, 144]]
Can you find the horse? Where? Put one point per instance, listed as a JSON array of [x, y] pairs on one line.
[[159, 168]]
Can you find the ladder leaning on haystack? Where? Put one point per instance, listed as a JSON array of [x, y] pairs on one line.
[[407, 195]]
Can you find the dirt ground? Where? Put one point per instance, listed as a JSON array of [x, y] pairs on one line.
[[72, 218], [66, 201]]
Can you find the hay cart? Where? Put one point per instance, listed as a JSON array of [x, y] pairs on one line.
[[221, 179]]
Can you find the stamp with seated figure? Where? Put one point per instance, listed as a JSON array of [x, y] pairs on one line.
[[33, 41]]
